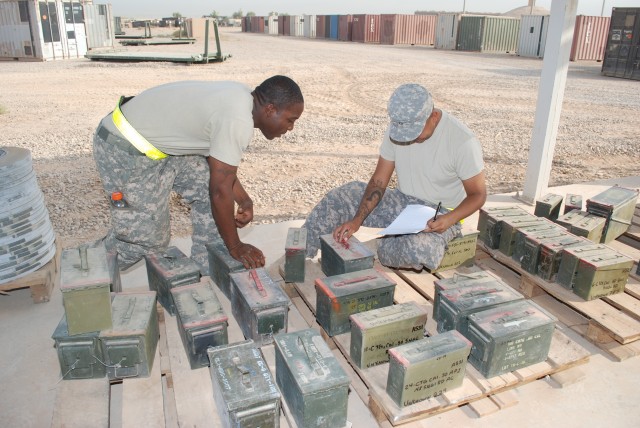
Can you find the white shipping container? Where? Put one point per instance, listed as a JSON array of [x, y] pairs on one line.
[[447, 31], [310, 26], [533, 35], [296, 24], [272, 23]]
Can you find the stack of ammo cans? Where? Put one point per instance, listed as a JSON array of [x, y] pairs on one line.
[[617, 205]]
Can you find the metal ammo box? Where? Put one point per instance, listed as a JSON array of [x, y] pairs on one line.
[[532, 245], [427, 368], [572, 202], [509, 337], [259, 305], [601, 275], [569, 258], [548, 206], [546, 230], [551, 252], [457, 304], [459, 250], [85, 283], [312, 382], [339, 296], [80, 356], [339, 257], [221, 264], [511, 226], [244, 390], [459, 280], [490, 222], [167, 270], [129, 347], [617, 206], [582, 223], [294, 254], [374, 332], [201, 320]]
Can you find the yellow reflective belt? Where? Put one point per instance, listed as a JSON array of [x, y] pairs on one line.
[[134, 137], [461, 221]]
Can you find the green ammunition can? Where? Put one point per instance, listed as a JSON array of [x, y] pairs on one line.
[[374, 332], [490, 222], [459, 250], [550, 254], [427, 368], [459, 280], [338, 257], [546, 231], [548, 206], [312, 382], [259, 305], [168, 270], [457, 304], [221, 264], [601, 275], [582, 223], [129, 347], [532, 243], [511, 226], [85, 283], [80, 355], [572, 202], [294, 254], [202, 322], [339, 296], [509, 337], [244, 390], [617, 205], [569, 258]]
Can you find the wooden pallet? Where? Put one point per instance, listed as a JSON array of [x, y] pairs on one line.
[[565, 354], [41, 282], [612, 323]]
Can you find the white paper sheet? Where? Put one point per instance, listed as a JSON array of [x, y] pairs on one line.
[[412, 219]]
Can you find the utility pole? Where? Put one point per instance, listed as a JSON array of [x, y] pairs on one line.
[[464, 6], [602, 11]]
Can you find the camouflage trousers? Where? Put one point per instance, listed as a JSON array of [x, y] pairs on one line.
[[413, 251], [144, 226]]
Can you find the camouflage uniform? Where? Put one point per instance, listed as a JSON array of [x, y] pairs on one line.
[[144, 227], [424, 249]]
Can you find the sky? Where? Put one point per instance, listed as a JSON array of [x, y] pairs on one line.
[[198, 8]]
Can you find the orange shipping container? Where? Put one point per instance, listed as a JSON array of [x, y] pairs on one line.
[[365, 28], [408, 29], [589, 38]]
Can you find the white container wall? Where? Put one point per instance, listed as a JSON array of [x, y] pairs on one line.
[[99, 23], [533, 35], [16, 21], [297, 26], [272, 24], [310, 26], [447, 31]]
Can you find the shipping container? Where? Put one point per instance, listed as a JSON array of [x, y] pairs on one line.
[[310, 26], [447, 31], [281, 25], [286, 25], [246, 24], [296, 25], [488, 34], [533, 35], [271, 26], [257, 24], [408, 29], [589, 38], [622, 55], [365, 28], [321, 26], [344, 27], [99, 26], [331, 25]]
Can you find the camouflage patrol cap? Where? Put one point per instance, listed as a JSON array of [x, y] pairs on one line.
[[409, 107]]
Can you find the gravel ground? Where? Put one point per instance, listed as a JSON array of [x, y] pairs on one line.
[[53, 108]]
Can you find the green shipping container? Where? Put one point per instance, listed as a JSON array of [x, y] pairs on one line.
[[338, 258], [221, 264], [569, 258], [617, 205], [85, 283], [488, 34], [374, 332], [201, 320], [294, 255], [80, 355], [259, 305], [339, 296], [167, 270], [427, 368], [601, 275], [313, 383], [129, 347], [548, 206], [244, 390], [509, 337]]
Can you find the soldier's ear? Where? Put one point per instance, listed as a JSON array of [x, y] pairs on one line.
[[270, 110]]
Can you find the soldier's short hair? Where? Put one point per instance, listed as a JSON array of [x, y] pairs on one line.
[[281, 91]]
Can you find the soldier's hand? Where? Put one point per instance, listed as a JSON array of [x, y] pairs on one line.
[[250, 256]]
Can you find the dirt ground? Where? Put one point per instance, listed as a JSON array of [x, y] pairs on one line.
[[53, 108]]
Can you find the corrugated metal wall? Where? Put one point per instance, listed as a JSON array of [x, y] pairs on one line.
[[622, 56], [310, 26], [99, 23], [345, 27], [589, 38], [470, 33], [286, 25], [365, 28], [15, 35], [297, 25], [257, 24], [408, 29], [321, 26], [447, 31], [500, 34], [533, 35], [272, 25], [332, 27]]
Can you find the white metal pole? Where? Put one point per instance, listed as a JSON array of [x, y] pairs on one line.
[[602, 11]]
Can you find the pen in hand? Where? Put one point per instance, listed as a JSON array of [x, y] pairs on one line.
[[435, 216]]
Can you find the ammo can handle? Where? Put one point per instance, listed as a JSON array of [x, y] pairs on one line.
[[483, 292], [199, 302], [354, 280], [296, 237], [84, 260], [456, 275], [316, 367], [509, 318], [258, 282], [431, 347], [244, 370], [129, 312]]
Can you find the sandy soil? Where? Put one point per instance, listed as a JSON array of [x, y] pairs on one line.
[[53, 108]]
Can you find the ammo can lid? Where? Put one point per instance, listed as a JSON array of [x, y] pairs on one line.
[[524, 220], [349, 283], [612, 197], [62, 331], [131, 313], [613, 260], [551, 198], [430, 347], [563, 241], [258, 289], [241, 374], [312, 364], [508, 208], [296, 239], [353, 249], [480, 295], [95, 272], [465, 279], [511, 318], [198, 305], [388, 314], [172, 263]]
